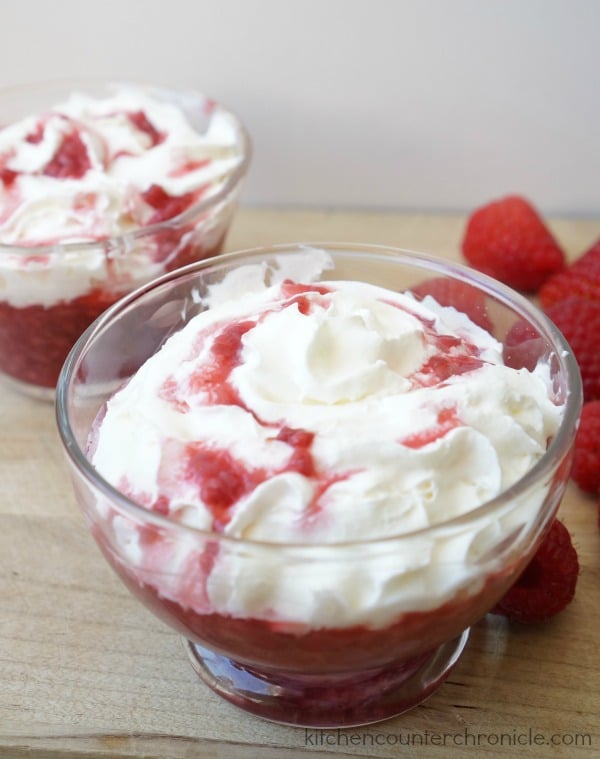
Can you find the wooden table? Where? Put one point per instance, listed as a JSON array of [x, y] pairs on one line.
[[86, 671]]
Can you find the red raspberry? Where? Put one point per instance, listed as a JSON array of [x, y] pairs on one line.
[[586, 461], [508, 240], [461, 295], [580, 278], [523, 346], [579, 320], [548, 583]]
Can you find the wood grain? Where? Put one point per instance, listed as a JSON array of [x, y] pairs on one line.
[[86, 671]]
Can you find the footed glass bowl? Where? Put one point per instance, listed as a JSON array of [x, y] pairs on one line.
[[52, 285], [287, 668]]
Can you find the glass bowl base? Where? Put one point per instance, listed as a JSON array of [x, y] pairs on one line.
[[327, 700]]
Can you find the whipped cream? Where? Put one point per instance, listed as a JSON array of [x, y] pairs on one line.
[[317, 414], [92, 169]]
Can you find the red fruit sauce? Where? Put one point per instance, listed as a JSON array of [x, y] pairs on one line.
[[35, 340], [167, 206], [296, 648], [323, 676], [143, 123], [292, 673], [71, 160]]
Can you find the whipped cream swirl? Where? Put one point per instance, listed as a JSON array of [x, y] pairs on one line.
[[94, 169], [90, 169]]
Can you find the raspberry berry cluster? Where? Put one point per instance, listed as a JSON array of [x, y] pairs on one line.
[[509, 240]]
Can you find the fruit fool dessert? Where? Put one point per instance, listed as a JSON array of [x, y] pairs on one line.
[[97, 196], [324, 438]]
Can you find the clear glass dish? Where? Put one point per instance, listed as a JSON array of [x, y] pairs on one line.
[[50, 293], [289, 671]]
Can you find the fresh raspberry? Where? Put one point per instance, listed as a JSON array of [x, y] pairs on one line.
[[579, 320], [452, 292], [580, 278], [586, 461], [548, 583], [508, 240], [523, 346]]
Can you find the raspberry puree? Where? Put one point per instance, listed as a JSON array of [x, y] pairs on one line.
[[35, 340], [322, 677], [295, 647]]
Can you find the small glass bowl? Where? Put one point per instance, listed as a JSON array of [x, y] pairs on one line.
[[44, 307], [288, 671]]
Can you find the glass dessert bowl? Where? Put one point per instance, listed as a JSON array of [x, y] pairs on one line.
[[103, 187], [322, 544]]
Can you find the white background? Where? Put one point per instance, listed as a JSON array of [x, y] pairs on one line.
[[402, 104]]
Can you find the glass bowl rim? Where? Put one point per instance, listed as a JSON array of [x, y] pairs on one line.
[[127, 238], [556, 451]]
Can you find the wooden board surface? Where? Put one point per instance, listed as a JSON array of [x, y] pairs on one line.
[[86, 671]]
